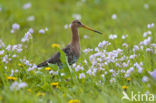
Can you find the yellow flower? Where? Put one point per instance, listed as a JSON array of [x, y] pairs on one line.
[[40, 94], [125, 87], [29, 90], [55, 46], [20, 65], [12, 78], [129, 79], [48, 68], [55, 84], [74, 101]]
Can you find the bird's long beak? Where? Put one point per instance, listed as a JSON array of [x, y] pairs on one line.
[[86, 27]]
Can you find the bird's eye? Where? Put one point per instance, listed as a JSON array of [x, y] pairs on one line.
[[79, 23]]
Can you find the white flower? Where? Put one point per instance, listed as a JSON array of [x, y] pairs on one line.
[[145, 79], [113, 36], [0, 9], [87, 50], [78, 68], [12, 31], [42, 31], [153, 74], [27, 6], [70, 25], [17, 85], [66, 26], [138, 67], [112, 80], [146, 6], [82, 75], [131, 69], [150, 25], [1, 52], [85, 61], [14, 56], [15, 26], [124, 36], [31, 30], [5, 59], [31, 18], [147, 33], [76, 16], [103, 43], [46, 29], [149, 49], [132, 56], [114, 16], [146, 41], [85, 36], [125, 45], [27, 37], [74, 65], [1, 44]]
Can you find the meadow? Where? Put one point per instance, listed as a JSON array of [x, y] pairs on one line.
[[120, 62]]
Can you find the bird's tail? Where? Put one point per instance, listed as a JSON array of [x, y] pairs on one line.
[[43, 64]]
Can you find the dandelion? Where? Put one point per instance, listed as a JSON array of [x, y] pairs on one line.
[[20, 65], [29, 90], [55, 84], [129, 79], [74, 101], [40, 94], [41, 31], [55, 46], [27, 6], [48, 68], [114, 16], [125, 87], [12, 78]]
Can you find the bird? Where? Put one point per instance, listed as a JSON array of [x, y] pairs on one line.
[[72, 50]]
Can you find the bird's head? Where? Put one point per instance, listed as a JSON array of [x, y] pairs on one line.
[[77, 23]]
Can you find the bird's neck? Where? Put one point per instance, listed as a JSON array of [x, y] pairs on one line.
[[75, 35]]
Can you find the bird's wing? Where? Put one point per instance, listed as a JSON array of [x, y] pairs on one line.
[[55, 59]]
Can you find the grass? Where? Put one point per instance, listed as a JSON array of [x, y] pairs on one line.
[[132, 19]]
